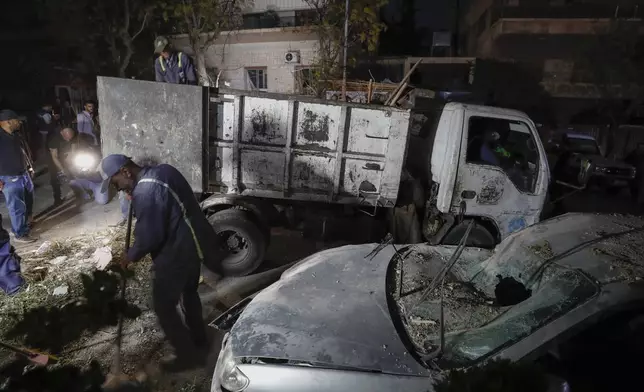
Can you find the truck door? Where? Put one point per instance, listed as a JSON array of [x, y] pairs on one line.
[[503, 173]]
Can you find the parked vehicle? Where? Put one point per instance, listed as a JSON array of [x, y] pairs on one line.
[[361, 318], [261, 160], [609, 174]]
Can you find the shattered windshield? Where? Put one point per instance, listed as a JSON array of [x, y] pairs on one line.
[[477, 324]]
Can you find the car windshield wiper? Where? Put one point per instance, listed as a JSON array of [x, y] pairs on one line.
[[439, 280]]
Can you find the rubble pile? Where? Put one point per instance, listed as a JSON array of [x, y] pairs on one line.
[[68, 308], [71, 271]]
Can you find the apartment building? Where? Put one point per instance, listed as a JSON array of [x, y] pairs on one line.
[[548, 39], [273, 51]]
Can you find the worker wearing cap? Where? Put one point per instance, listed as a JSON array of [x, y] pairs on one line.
[[172, 66], [172, 228], [15, 179]]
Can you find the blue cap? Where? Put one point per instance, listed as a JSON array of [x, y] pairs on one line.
[[8, 114], [110, 165]]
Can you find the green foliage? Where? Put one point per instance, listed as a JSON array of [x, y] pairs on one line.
[[496, 376], [364, 31], [202, 20]]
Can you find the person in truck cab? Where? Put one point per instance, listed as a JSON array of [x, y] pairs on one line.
[[172, 66], [492, 152]]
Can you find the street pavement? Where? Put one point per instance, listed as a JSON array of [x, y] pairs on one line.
[[71, 219]]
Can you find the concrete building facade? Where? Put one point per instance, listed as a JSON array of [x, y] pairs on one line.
[[273, 51], [550, 39]]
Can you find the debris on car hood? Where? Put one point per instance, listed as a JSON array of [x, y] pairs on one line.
[[331, 311]]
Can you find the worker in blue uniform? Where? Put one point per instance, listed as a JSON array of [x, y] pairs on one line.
[[171, 228], [15, 177], [172, 66], [11, 280]]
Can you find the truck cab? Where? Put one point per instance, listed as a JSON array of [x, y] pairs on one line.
[[486, 164]]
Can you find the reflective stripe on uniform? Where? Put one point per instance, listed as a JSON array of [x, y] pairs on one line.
[[180, 54], [183, 211], [161, 63]]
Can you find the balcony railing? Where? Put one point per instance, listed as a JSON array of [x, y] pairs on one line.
[[573, 11], [270, 19]]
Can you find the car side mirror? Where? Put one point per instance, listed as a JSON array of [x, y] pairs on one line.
[[586, 168]]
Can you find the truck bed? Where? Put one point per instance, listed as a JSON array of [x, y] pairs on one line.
[[259, 144]]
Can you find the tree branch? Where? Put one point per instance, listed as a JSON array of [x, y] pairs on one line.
[[126, 10], [143, 24]]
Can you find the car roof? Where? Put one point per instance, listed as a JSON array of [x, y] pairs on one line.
[[579, 136], [588, 242]]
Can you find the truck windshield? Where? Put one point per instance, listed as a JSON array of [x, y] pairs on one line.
[[583, 146]]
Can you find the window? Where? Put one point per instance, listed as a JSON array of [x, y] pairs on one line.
[[257, 78], [306, 17], [506, 144], [581, 145]]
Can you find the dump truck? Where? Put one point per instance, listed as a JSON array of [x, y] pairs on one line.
[[259, 160]]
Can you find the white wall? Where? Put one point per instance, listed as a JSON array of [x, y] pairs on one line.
[[280, 76], [233, 55], [275, 5]]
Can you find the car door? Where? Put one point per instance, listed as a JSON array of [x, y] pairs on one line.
[[511, 189]]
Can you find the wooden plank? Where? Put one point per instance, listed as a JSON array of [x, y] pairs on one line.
[[403, 82]]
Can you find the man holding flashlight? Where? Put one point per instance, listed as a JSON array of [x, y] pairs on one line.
[[75, 164], [61, 146]]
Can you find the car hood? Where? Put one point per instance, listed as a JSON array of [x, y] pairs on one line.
[[330, 310], [601, 161]]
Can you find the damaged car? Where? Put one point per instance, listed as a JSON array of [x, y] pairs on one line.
[[610, 175], [382, 317]]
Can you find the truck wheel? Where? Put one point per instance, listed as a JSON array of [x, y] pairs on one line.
[[479, 237], [244, 240]]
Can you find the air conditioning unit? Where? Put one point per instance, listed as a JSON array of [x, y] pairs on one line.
[[292, 57]]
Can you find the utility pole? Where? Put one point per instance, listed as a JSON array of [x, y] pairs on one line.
[[346, 41]]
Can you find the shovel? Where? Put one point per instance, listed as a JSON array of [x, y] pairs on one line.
[[36, 357], [116, 379]]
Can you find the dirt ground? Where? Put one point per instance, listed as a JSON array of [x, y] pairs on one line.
[[70, 305]]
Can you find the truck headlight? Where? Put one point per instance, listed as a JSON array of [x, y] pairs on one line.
[[228, 374], [85, 161]]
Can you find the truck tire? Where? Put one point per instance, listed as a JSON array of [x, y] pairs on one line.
[[243, 238], [479, 237]]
